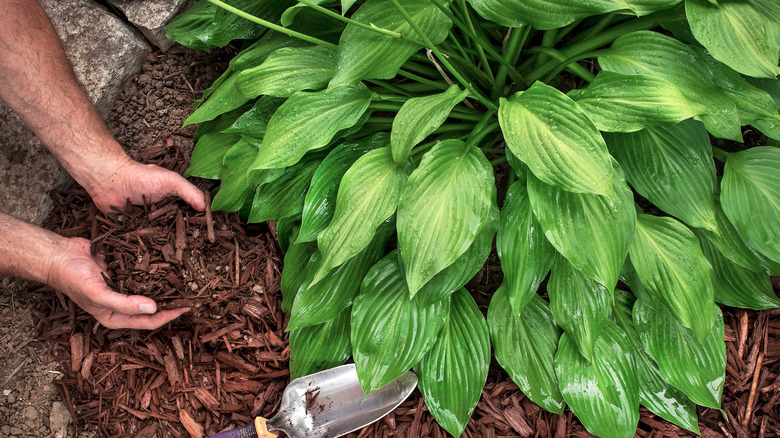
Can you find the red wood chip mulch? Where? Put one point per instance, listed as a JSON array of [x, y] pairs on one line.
[[227, 360]]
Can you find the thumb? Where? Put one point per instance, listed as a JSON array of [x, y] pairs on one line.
[[124, 304], [188, 192]]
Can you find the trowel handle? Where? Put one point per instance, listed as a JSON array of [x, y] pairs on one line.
[[262, 429]]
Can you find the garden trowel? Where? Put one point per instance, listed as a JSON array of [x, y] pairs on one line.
[[327, 404]]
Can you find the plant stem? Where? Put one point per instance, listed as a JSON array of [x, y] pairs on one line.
[[340, 17], [569, 63], [720, 154], [486, 125], [481, 51], [516, 41], [496, 161], [390, 87], [273, 26], [485, 101], [422, 80]]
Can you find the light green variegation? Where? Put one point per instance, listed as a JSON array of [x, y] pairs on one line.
[[671, 166], [309, 120], [552, 135], [525, 346], [751, 197], [671, 266], [445, 203]]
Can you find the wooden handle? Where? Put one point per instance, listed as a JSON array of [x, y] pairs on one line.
[[262, 429]]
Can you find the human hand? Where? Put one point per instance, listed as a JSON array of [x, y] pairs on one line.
[[134, 181], [74, 271]]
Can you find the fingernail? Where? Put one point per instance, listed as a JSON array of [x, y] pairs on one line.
[[147, 308]]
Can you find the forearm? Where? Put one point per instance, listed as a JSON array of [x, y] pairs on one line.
[[37, 82], [26, 251]]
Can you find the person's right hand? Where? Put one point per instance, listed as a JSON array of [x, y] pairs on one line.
[[74, 271]]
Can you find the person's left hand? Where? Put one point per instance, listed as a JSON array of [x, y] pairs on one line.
[[134, 181]]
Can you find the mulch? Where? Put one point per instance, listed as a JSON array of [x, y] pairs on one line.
[[226, 361]]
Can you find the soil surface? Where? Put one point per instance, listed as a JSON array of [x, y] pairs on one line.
[[226, 360]]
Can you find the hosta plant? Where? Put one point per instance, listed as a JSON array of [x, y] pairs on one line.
[[373, 132]]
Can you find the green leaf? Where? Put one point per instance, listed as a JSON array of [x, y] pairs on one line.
[[526, 255], [456, 275], [418, 118], [211, 145], [603, 393], [294, 271], [283, 196], [737, 34], [672, 167], [731, 245], [443, 206], [320, 347], [286, 230], [751, 197], [525, 347], [671, 266], [316, 303], [545, 14], [390, 332], [627, 103], [287, 71], [453, 373], [593, 232], [695, 367], [366, 54], [552, 135], [238, 183], [309, 120], [655, 393], [252, 124], [225, 98], [186, 28], [653, 54], [579, 304], [368, 195], [320, 203], [736, 286]]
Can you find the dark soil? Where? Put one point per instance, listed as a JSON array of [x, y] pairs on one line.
[[226, 361]]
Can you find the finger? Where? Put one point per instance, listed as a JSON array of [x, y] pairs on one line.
[[187, 192], [142, 322]]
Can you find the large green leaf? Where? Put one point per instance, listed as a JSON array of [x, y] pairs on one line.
[[546, 14], [225, 98], [731, 245], [296, 267], [238, 183], [593, 232], [368, 195], [289, 70], [443, 206], [653, 54], [456, 275], [697, 367], [552, 135], [453, 373], [751, 197], [366, 54], [737, 34], [525, 347], [579, 304], [319, 347], [390, 332], [187, 28], [283, 196], [318, 302], [309, 120], [737, 286], [655, 393], [526, 255], [627, 103], [603, 393], [671, 166], [320, 203], [418, 118], [671, 265], [252, 124], [211, 145]]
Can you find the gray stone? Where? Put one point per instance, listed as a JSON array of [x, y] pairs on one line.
[[59, 419], [150, 17], [30, 413], [105, 53]]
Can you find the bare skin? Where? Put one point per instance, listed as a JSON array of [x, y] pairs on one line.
[[36, 81]]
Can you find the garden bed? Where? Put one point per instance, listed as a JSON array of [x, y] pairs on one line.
[[227, 360]]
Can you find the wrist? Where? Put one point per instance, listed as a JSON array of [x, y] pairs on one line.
[[28, 251]]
